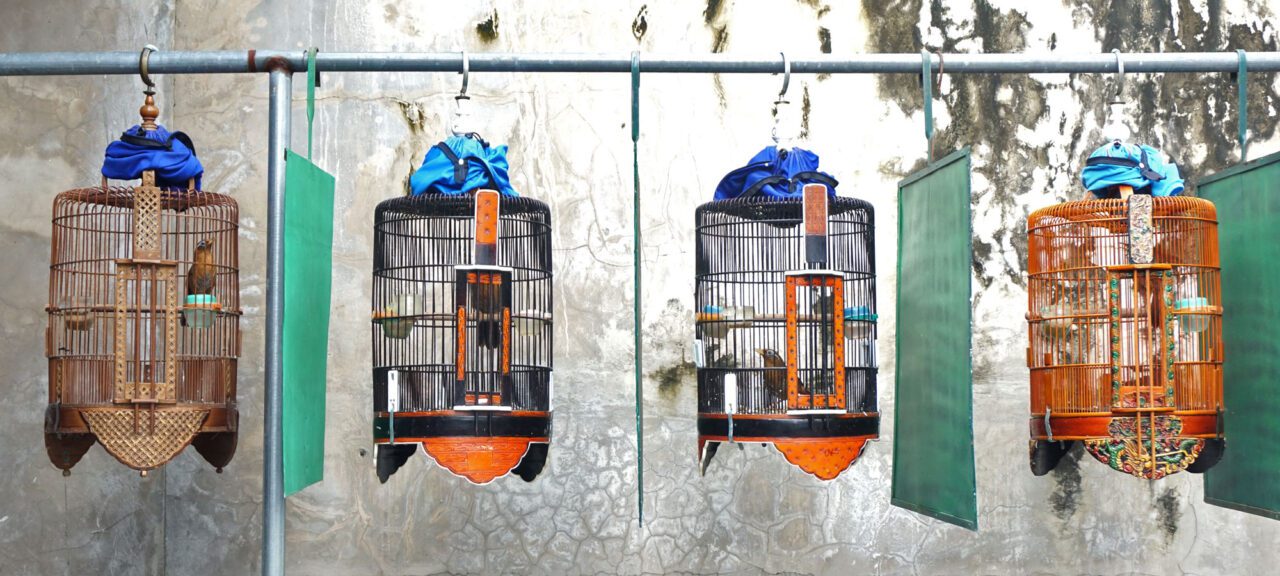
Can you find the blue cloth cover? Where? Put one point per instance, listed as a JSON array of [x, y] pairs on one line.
[[481, 166], [777, 175], [1117, 164], [171, 155]]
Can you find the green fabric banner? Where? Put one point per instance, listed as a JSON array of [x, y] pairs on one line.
[[933, 468], [308, 269], [1248, 200]]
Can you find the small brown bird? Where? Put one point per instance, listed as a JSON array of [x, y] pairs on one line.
[[202, 275], [775, 379]]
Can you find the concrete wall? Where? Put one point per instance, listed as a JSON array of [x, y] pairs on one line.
[[569, 137]]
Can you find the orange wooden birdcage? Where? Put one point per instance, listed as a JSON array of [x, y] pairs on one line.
[[138, 360], [1125, 326]]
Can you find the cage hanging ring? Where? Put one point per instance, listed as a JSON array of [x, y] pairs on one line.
[[1120, 74], [786, 76], [466, 73], [144, 62]]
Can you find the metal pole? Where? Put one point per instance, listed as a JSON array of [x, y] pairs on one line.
[[273, 435], [246, 61]]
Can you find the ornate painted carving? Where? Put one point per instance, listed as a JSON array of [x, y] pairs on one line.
[[1134, 449]]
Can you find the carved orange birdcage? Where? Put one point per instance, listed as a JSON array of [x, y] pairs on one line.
[[1125, 326], [136, 361]]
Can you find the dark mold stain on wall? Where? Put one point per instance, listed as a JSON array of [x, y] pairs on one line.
[[670, 377], [488, 29], [719, 30], [1066, 496], [824, 45], [1174, 112], [641, 24], [1168, 512], [713, 17], [414, 117], [805, 108]]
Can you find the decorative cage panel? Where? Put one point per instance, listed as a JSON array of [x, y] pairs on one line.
[[814, 341], [124, 332], [785, 299], [1125, 324], [464, 320]]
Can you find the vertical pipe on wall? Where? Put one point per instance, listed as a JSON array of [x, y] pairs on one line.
[[273, 434]]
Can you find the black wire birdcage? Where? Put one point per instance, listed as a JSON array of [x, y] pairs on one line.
[[462, 339], [787, 326]]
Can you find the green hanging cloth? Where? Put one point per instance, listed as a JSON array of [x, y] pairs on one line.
[[933, 466], [308, 270], [1247, 197]]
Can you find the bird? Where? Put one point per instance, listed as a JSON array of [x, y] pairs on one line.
[[488, 301], [202, 275], [775, 378]]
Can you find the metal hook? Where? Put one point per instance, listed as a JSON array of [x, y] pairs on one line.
[[144, 61], [1119, 78], [786, 77], [926, 82], [466, 74]]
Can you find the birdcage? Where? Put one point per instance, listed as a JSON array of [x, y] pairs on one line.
[[137, 360], [786, 327], [462, 333], [1125, 325]]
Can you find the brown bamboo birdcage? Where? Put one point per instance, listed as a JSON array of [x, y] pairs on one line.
[[135, 362], [1125, 328]]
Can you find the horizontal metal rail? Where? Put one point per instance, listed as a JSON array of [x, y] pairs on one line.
[[249, 61]]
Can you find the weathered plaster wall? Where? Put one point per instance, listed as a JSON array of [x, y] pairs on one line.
[[569, 138]]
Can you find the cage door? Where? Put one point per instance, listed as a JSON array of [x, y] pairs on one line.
[[483, 343], [815, 340], [146, 332], [1140, 298]]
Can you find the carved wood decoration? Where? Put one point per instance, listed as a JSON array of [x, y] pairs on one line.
[[479, 460], [824, 459], [131, 364], [1125, 323]]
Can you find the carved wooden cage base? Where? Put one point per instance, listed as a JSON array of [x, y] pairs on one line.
[[144, 439]]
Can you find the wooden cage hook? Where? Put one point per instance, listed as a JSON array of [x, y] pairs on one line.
[[144, 63], [149, 111]]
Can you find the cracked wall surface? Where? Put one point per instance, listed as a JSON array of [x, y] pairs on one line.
[[570, 146]]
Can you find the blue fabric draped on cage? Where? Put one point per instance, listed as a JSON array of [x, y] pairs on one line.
[[460, 165], [775, 174], [1138, 166], [171, 155]]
